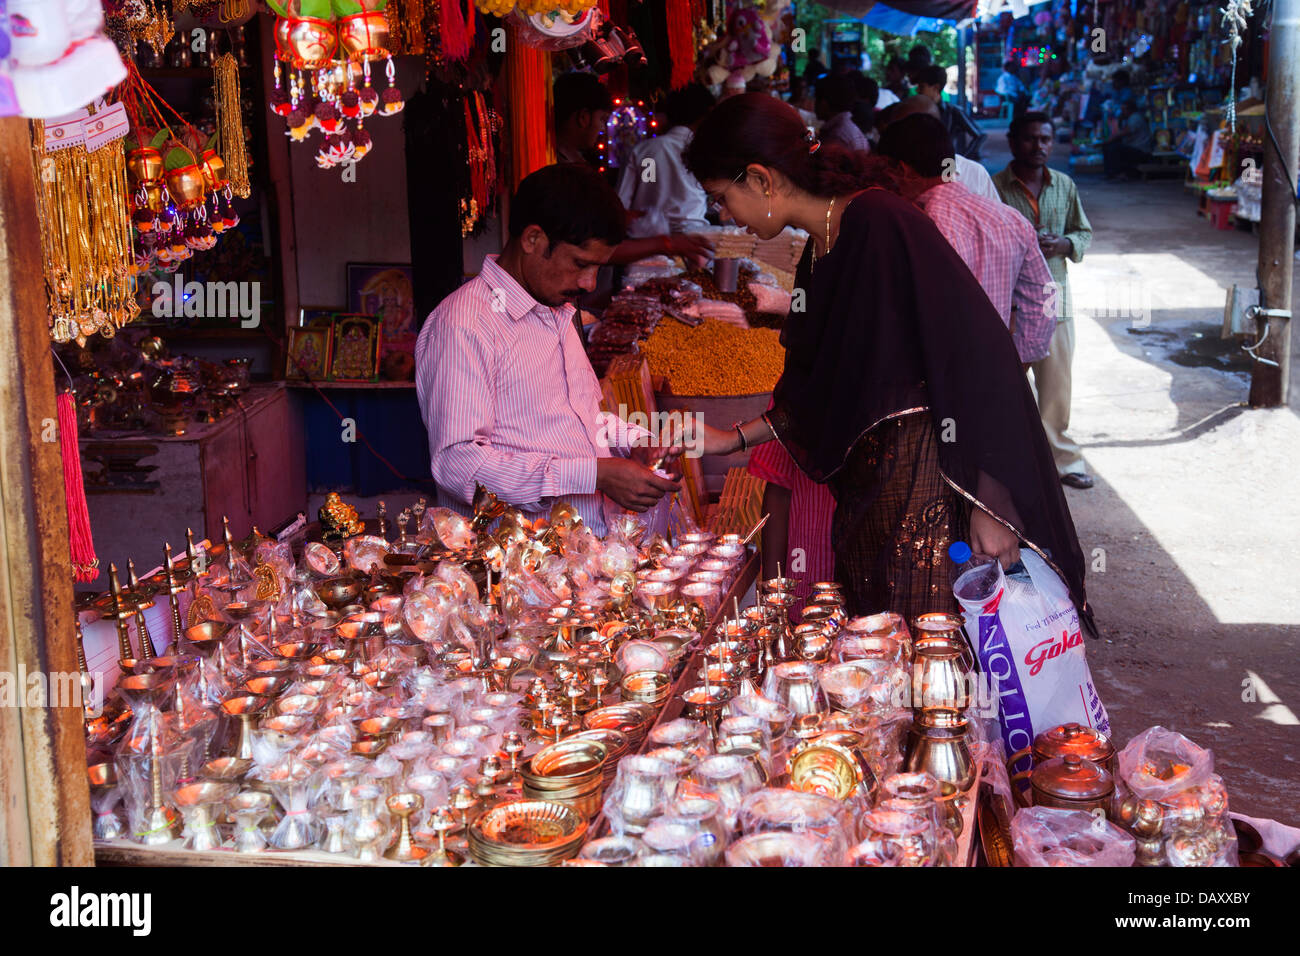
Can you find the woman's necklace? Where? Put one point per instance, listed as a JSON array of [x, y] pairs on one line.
[[826, 247]]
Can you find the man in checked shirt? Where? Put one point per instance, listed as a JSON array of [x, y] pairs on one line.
[[506, 391], [998, 246], [1048, 199]]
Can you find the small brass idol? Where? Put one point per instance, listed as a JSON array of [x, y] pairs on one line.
[[338, 520]]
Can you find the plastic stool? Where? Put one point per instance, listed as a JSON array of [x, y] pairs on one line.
[[1221, 211]]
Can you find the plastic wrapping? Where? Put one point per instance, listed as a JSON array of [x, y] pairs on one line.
[[825, 819], [1048, 836], [1173, 803], [641, 791], [779, 849]]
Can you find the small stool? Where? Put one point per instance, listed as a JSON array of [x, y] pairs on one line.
[[1220, 212]]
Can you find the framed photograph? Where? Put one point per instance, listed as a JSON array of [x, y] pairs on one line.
[[308, 356], [356, 348], [386, 291], [310, 315], [1164, 140]]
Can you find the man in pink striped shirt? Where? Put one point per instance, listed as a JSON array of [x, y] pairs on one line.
[[1001, 250], [506, 391]]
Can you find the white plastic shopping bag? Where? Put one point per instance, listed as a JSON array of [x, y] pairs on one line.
[[1026, 634]]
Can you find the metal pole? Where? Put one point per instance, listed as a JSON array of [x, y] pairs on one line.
[[1271, 373], [961, 68]]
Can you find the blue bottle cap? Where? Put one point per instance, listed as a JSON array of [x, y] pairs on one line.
[[959, 551]]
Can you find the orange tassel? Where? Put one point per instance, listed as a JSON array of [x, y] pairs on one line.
[[84, 563], [528, 72], [681, 43]]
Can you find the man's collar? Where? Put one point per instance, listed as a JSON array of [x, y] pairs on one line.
[[1010, 173], [514, 298]]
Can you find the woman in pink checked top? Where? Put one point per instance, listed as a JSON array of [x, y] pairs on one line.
[[798, 533]]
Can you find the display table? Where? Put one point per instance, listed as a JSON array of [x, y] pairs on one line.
[[145, 489]]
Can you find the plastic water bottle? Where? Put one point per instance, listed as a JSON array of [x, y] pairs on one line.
[[975, 577]]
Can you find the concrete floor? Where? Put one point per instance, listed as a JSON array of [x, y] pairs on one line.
[[1195, 515]]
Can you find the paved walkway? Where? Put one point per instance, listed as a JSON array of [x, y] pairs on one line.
[[1195, 517]]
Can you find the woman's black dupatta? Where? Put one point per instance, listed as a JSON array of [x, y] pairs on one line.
[[894, 320]]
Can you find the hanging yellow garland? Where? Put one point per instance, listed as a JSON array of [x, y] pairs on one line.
[[230, 123], [85, 238]]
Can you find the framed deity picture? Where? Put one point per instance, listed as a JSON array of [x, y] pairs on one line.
[[308, 356], [356, 348], [310, 315], [1164, 140], [386, 291]]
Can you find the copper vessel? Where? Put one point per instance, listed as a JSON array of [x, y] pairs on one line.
[[1071, 782]]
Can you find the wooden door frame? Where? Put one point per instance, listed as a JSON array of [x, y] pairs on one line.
[[45, 816]]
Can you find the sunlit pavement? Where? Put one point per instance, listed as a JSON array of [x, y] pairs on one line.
[[1195, 517]]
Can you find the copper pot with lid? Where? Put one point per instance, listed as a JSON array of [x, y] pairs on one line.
[[1071, 782], [1071, 738]]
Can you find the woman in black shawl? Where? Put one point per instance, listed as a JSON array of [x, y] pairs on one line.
[[902, 389]]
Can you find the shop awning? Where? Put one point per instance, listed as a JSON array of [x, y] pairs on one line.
[[921, 9]]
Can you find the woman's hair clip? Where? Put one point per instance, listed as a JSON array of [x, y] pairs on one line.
[[814, 143]]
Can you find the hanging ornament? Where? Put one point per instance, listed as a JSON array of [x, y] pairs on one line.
[[230, 124], [390, 101], [368, 95], [85, 227], [85, 565], [1235, 15]]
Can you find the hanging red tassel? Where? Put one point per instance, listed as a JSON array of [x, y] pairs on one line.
[[84, 563], [527, 77], [681, 43], [455, 33]]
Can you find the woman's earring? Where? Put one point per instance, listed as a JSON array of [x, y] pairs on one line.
[[769, 205]]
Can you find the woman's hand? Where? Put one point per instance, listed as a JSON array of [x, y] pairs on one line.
[[989, 536]]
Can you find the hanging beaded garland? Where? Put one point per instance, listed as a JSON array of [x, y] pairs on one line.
[[85, 237]]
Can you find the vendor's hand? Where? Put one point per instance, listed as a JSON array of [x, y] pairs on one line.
[[696, 250], [631, 484], [658, 456], [989, 536]]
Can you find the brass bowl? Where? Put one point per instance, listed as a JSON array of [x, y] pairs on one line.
[[704, 701], [295, 650], [565, 764], [630, 718], [338, 592], [381, 726], [824, 768], [526, 833], [244, 705], [205, 633], [204, 793], [272, 666], [370, 746], [102, 775], [650, 687], [244, 610], [227, 768], [290, 725], [298, 705], [266, 685]]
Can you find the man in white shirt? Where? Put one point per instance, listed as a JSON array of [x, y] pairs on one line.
[[655, 185], [505, 388]]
